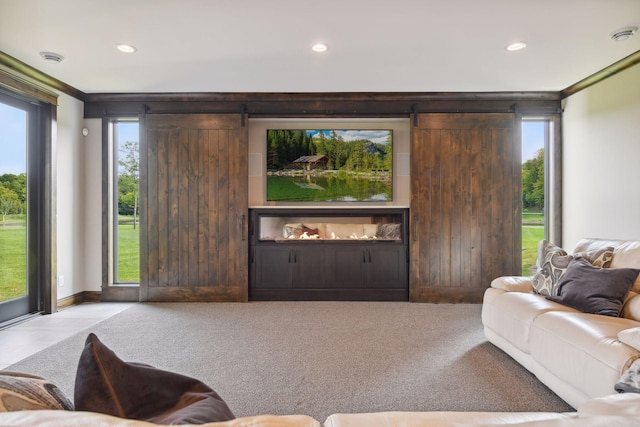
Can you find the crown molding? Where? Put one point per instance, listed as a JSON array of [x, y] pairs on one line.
[[601, 75], [38, 76]]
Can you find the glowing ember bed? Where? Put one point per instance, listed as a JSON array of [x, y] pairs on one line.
[[329, 254]]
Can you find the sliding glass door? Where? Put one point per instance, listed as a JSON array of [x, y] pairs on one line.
[[18, 291]]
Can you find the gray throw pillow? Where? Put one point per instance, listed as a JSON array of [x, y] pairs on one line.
[[593, 289]]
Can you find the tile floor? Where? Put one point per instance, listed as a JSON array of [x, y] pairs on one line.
[[24, 339]]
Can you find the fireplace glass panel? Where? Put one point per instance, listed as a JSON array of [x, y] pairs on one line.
[[285, 227]]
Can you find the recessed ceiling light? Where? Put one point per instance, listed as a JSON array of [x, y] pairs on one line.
[[52, 57], [623, 34], [126, 48], [515, 46], [319, 47]]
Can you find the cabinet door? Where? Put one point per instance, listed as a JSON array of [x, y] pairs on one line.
[[310, 267], [350, 264], [387, 265], [273, 267]]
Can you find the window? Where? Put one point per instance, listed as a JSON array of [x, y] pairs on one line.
[[124, 203], [537, 204]]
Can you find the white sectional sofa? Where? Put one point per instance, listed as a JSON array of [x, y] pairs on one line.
[[578, 355], [615, 410]]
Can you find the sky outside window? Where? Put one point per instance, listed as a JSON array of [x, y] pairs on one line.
[[13, 136]]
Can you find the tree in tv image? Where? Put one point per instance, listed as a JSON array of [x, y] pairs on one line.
[[325, 165]]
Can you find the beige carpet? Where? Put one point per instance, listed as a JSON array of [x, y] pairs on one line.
[[317, 358]]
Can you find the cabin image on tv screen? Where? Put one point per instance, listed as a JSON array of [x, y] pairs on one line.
[[310, 162], [329, 165]]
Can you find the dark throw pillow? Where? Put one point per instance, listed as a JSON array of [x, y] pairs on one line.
[[108, 385], [22, 392], [592, 289]]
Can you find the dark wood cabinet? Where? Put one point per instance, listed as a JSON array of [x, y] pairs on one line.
[[284, 268], [369, 266]]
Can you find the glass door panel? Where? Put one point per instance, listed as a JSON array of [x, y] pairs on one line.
[[15, 298]]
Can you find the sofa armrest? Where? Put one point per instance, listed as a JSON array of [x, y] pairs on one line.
[[513, 283]]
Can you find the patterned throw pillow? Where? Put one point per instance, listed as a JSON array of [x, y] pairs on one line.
[[553, 262], [21, 392]]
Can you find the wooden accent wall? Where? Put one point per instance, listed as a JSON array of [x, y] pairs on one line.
[[194, 183], [465, 225]]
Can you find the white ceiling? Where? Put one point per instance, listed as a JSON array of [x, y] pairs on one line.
[[264, 45]]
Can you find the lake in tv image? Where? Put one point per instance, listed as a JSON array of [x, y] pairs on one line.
[[325, 165]]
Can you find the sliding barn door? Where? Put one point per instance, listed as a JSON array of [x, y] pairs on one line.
[[465, 205], [194, 184]]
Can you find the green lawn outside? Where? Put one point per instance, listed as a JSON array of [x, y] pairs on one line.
[[531, 236], [128, 252], [13, 265], [13, 253], [532, 233]]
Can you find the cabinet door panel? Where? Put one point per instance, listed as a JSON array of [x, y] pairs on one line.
[[309, 267], [387, 267], [274, 266], [349, 267]]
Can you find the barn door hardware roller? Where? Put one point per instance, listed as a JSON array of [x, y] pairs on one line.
[[243, 113]]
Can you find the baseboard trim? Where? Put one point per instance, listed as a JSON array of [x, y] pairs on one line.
[[79, 298]]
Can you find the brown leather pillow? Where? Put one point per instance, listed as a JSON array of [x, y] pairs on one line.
[[108, 385]]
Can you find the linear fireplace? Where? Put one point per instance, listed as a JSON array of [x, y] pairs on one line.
[[329, 254]]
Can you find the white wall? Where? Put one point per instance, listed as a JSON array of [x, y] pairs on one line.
[[92, 194], [601, 168], [70, 204]]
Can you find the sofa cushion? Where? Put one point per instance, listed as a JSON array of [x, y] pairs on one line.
[[511, 314], [593, 289], [613, 404], [21, 392], [626, 253], [582, 349], [106, 384], [441, 419], [553, 262], [94, 419]]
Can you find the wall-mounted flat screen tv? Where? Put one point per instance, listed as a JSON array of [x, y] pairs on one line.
[[329, 165]]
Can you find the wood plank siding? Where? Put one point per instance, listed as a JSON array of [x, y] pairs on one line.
[[194, 183], [465, 204]]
